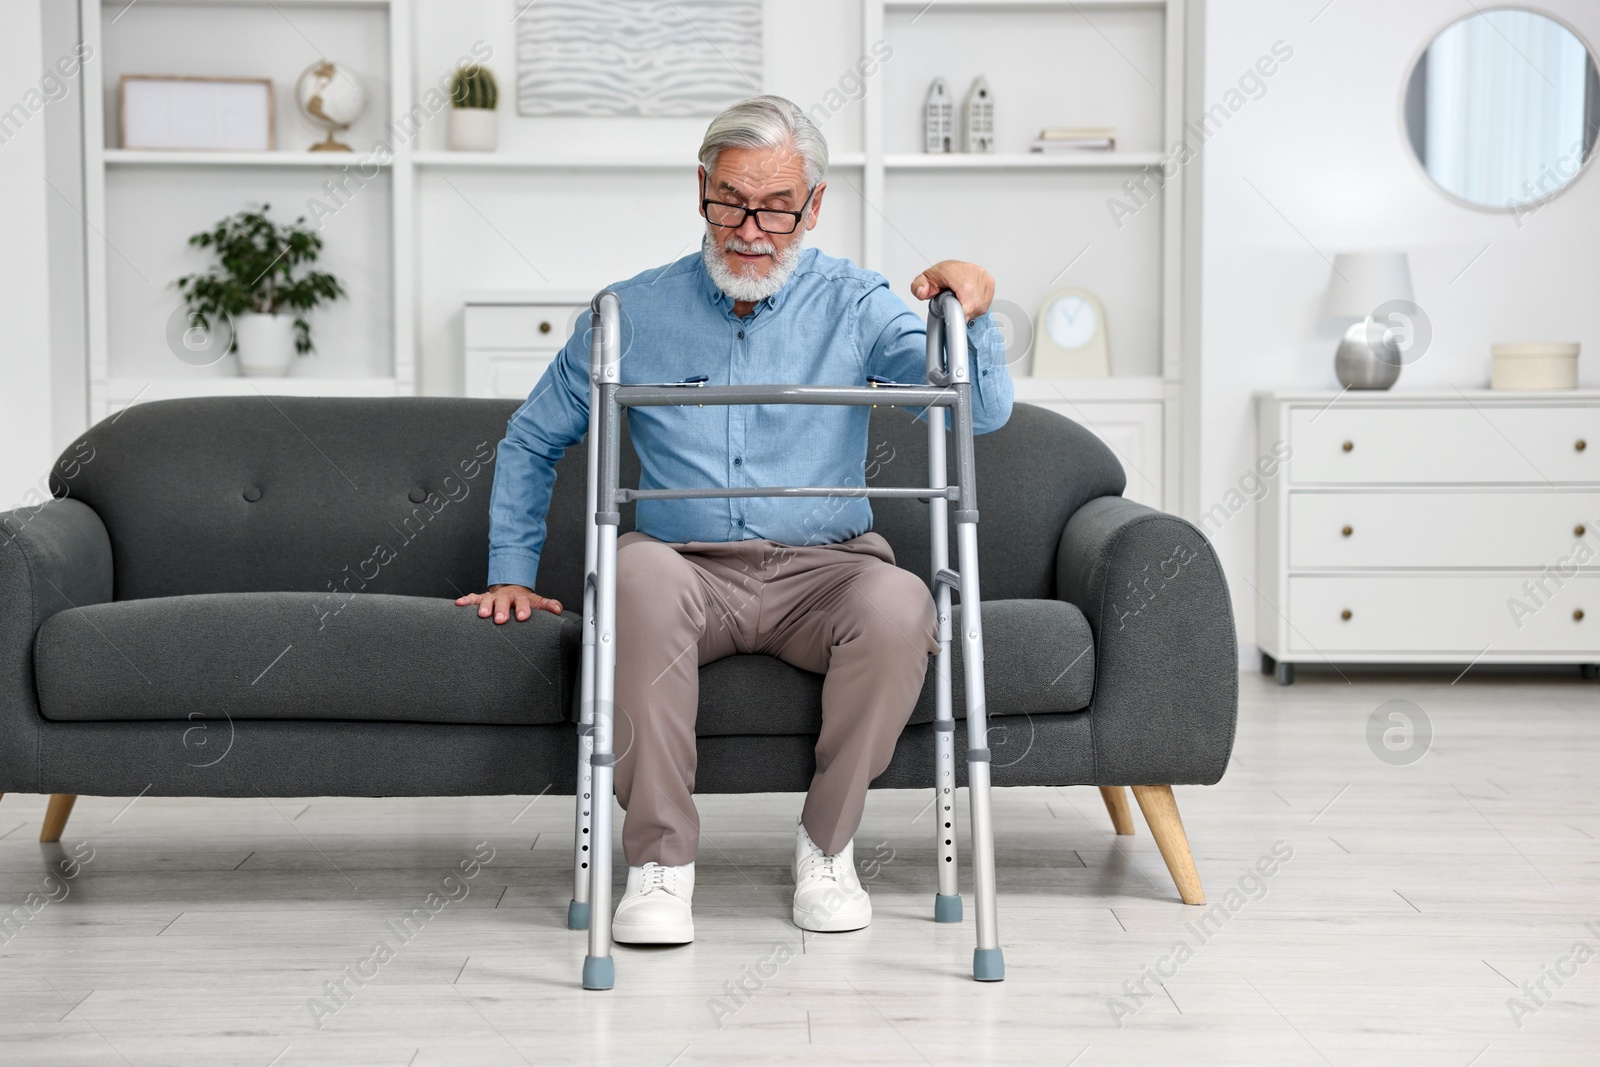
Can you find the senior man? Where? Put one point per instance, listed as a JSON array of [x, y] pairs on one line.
[[697, 580]]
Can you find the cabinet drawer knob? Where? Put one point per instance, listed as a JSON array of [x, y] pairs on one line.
[[1345, 614], [1348, 445], [1579, 530], [1577, 615], [1580, 444], [544, 327], [1347, 531]]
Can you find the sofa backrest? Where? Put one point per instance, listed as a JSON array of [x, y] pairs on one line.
[[391, 495]]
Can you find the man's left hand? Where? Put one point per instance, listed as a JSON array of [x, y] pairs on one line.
[[973, 285]]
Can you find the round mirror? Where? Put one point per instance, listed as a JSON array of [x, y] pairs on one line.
[[1502, 108]]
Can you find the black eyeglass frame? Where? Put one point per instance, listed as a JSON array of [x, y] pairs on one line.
[[805, 205]]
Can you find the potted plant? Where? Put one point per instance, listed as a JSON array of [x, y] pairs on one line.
[[262, 284], [474, 95]]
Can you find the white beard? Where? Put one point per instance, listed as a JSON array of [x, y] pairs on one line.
[[748, 287]]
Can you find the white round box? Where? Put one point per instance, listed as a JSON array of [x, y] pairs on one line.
[[1535, 366]]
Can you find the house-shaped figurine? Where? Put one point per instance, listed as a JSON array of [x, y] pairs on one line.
[[978, 135], [939, 134]]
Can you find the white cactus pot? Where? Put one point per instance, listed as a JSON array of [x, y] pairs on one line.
[[474, 129]]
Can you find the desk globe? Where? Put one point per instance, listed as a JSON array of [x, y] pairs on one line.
[[331, 97]]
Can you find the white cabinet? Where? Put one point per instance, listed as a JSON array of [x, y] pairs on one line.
[[1459, 527], [508, 339]]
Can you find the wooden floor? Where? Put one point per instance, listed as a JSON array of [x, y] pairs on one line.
[[1414, 904]]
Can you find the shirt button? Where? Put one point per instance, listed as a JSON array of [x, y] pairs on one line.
[[741, 524], [741, 335], [738, 461]]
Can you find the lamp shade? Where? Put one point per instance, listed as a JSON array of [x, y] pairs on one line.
[[1363, 280]]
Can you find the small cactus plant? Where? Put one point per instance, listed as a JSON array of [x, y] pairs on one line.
[[474, 86]]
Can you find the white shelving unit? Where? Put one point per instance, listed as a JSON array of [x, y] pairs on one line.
[[125, 157], [505, 199], [112, 387], [1137, 414]]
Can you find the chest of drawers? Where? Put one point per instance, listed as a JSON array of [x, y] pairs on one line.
[[509, 338], [1458, 527]]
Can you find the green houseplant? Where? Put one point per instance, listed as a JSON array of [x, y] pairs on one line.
[[474, 95], [263, 283]]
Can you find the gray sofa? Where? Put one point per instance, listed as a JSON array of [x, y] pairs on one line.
[[243, 596]]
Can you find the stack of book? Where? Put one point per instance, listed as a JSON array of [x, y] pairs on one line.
[[1076, 139]]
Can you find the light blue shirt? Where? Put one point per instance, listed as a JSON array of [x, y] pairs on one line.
[[832, 323]]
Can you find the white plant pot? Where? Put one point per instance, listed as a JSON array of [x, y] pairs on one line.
[[474, 129], [266, 344]]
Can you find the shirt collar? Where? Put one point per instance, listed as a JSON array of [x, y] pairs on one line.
[[775, 301]]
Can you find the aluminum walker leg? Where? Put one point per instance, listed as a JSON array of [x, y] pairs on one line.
[[947, 902], [988, 964], [583, 794], [599, 970]]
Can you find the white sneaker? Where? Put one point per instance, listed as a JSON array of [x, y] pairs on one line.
[[655, 908], [828, 897]]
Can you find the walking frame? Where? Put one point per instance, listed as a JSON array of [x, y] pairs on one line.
[[949, 385]]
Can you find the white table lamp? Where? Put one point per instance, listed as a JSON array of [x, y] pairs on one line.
[[1361, 284]]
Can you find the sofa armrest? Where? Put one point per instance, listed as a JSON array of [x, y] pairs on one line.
[[1166, 689], [52, 557]]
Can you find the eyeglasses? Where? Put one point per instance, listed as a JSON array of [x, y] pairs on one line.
[[770, 220]]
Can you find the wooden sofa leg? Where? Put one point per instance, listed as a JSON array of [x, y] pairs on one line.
[[1161, 813], [56, 815], [1116, 798]]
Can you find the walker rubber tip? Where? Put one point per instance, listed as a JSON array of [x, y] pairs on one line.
[[947, 909], [577, 915], [988, 965], [600, 972]]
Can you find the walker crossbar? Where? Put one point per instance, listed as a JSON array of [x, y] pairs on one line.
[[896, 492], [911, 396], [949, 385]]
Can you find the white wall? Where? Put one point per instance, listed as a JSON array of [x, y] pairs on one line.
[[1331, 171], [25, 452]]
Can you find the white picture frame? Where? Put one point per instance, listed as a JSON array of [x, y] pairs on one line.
[[196, 114]]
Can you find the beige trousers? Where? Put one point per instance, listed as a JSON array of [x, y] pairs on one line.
[[843, 610]]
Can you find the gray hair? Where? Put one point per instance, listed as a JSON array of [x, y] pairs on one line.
[[767, 122]]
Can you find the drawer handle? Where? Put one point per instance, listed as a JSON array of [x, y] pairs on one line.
[[1348, 445], [544, 327], [1345, 614], [1579, 530], [1580, 444], [1577, 615], [1348, 530]]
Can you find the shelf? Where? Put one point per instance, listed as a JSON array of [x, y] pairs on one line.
[[919, 6], [124, 157], [125, 391], [1087, 160], [596, 161], [123, 5]]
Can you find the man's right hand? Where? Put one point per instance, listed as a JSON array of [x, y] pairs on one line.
[[502, 601]]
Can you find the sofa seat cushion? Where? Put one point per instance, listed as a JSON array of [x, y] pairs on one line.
[[1039, 656], [303, 656]]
